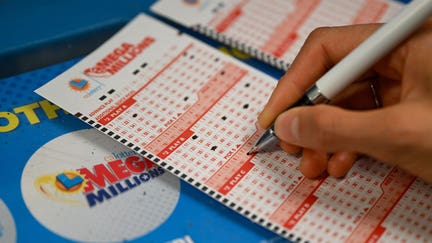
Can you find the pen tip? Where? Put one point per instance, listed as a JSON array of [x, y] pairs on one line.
[[253, 150]]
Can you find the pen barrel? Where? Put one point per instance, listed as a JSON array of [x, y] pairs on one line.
[[375, 47]]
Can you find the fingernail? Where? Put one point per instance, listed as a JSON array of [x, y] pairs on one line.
[[287, 128], [263, 120]]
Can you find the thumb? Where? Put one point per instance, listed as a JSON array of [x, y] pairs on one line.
[[333, 129]]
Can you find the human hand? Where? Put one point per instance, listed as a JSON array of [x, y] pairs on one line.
[[331, 136]]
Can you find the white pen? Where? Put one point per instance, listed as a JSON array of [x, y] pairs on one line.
[[380, 43]]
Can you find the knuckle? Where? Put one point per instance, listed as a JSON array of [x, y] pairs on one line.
[[315, 39], [318, 33]]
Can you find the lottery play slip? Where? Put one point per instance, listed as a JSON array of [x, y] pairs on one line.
[[192, 110], [273, 31]]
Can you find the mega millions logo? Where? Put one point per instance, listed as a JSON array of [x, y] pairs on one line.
[[59, 187], [87, 187], [79, 84], [122, 172], [118, 58]]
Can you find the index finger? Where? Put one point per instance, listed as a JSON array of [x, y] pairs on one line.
[[323, 48]]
